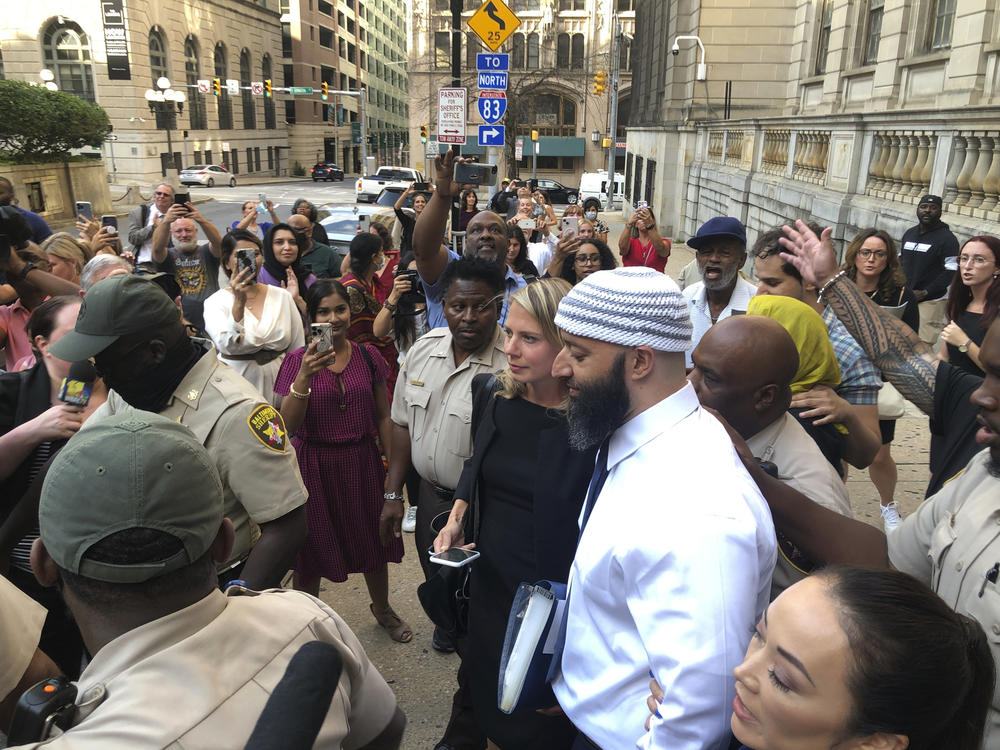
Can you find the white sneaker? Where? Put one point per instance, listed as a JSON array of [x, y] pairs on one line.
[[890, 516], [410, 520]]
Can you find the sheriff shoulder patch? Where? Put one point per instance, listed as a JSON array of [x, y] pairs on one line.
[[267, 426]]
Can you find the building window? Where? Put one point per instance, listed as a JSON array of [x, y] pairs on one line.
[[532, 55], [572, 5], [266, 74], [625, 54], [67, 54], [872, 32], [157, 70], [942, 17], [624, 6], [197, 115], [442, 50], [637, 179], [628, 177], [325, 37], [517, 52], [549, 114], [823, 37], [325, 8], [472, 48], [562, 51], [526, 5], [225, 105], [249, 106], [286, 40], [650, 180], [289, 112]]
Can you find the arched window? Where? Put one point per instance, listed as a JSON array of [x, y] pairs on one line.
[[269, 118], [249, 108], [192, 72], [67, 54], [158, 68], [225, 104], [550, 115]]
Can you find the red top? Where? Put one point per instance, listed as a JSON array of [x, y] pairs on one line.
[[644, 255]]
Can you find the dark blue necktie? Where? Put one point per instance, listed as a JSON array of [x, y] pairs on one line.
[[596, 485]]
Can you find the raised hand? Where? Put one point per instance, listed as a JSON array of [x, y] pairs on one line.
[[812, 255]]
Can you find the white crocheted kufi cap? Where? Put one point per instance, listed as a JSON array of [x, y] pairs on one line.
[[633, 306]]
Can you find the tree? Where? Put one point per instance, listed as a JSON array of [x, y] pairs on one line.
[[41, 125]]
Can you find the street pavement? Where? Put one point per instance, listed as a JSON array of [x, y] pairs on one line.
[[422, 678]]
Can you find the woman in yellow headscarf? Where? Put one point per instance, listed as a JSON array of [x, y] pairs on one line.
[[817, 364]]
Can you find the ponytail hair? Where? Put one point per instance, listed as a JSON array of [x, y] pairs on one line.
[[919, 669]]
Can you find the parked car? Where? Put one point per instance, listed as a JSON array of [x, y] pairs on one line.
[[594, 189], [327, 171], [390, 195], [207, 175], [368, 187], [341, 223], [556, 191]]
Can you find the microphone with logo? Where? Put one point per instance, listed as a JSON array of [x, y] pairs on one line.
[[78, 384]]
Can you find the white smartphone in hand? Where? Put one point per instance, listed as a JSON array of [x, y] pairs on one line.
[[455, 557]]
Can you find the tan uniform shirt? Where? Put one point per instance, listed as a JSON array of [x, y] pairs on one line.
[[21, 619], [199, 677], [246, 438], [951, 543], [433, 399], [802, 466]]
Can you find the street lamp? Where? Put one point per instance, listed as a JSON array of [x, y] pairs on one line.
[[48, 79], [595, 136], [166, 103]]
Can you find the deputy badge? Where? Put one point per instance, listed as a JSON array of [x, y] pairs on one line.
[[267, 426]]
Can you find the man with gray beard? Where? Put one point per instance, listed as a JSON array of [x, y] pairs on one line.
[[721, 250], [194, 265]]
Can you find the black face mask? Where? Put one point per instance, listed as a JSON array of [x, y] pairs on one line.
[[151, 388]]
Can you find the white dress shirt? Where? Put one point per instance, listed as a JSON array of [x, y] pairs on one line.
[[146, 251], [671, 574], [701, 316]]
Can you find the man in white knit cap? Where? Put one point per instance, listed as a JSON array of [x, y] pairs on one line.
[[673, 568]]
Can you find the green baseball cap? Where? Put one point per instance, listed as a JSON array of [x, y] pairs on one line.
[[115, 306], [134, 470]]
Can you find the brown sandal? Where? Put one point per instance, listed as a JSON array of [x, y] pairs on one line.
[[393, 624]]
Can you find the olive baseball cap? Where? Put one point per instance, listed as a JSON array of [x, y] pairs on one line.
[[135, 470], [115, 306]]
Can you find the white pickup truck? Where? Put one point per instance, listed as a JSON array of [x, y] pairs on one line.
[[369, 186]]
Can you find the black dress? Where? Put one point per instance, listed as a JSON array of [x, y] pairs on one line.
[[968, 322], [520, 466]]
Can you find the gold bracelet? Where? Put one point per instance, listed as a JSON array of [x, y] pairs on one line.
[[303, 396]]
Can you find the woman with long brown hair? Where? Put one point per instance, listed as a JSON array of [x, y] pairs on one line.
[[973, 300]]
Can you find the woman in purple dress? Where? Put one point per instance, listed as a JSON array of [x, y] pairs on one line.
[[335, 403]]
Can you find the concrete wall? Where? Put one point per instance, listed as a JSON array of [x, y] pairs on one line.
[[62, 184]]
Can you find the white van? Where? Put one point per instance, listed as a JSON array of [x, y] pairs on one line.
[[594, 189]]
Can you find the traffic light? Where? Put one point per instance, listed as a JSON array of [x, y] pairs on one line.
[[423, 134], [325, 88], [534, 135], [217, 86], [267, 87], [606, 143], [600, 82]]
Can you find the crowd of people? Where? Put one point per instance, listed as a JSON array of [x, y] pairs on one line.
[[186, 416]]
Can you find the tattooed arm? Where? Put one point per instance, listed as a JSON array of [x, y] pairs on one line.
[[895, 349]]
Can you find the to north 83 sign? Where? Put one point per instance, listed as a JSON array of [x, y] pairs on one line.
[[492, 106]]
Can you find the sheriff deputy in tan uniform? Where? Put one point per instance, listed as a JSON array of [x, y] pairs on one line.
[[140, 347], [177, 663]]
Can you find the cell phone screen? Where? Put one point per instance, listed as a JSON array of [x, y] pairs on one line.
[[456, 555]]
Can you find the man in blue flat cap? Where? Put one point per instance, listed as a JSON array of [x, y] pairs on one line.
[[720, 248]]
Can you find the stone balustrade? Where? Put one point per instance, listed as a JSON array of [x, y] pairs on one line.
[[869, 155]]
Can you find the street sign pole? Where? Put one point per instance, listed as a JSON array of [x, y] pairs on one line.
[[613, 124], [364, 132]]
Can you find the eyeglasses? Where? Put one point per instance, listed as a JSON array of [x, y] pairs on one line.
[[161, 194], [587, 260], [976, 260], [877, 254], [724, 253]]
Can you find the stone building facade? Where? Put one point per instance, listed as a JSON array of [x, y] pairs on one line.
[[847, 113], [554, 54], [182, 40]]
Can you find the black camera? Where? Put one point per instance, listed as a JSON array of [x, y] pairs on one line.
[[416, 293]]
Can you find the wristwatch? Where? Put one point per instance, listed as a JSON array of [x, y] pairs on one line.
[[28, 267], [396, 496], [965, 347]]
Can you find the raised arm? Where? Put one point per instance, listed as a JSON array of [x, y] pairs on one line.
[[430, 254], [161, 235], [892, 346], [211, 233]]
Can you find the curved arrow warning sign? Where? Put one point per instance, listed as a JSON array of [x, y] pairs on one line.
[[493, 23]]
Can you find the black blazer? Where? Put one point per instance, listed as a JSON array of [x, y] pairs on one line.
[[562, 476]]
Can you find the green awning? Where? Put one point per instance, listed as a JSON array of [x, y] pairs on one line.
[[558, 146]]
